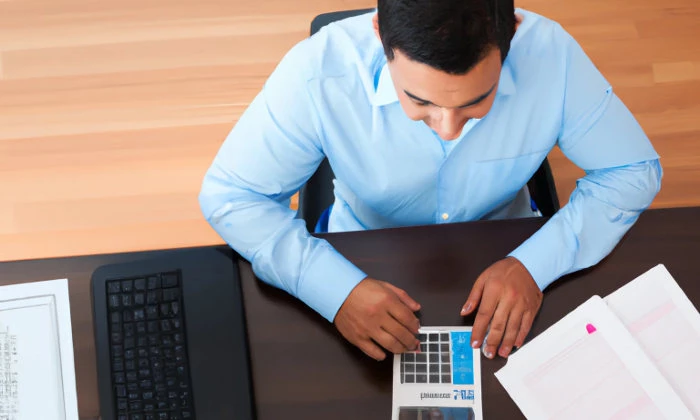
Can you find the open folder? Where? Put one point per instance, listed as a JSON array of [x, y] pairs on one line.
[[632, 355]]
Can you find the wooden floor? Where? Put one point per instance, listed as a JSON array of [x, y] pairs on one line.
[[111, 111]]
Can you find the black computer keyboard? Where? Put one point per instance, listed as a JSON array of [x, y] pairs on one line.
[[149, 361]]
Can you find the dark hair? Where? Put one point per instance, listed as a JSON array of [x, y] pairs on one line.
[[448, 35]]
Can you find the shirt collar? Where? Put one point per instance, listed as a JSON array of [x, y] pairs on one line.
[[385, 93]]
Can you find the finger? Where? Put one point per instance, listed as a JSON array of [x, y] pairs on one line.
[[388, 341], [405, 298], [498, 327], [474, 296], [401, 333], [402, 314], [372, 350], [487, 307], [512, 331], [525, 326]]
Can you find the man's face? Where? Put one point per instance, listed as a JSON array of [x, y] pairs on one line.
[[443, 101]]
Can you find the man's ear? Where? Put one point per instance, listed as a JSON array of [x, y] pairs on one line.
[[375, 25]]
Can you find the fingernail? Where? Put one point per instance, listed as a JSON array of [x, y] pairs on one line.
[[475, 344], [504, 352], [488, 354], [466, 308]]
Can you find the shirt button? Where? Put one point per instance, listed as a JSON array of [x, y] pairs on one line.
[[445, 216]]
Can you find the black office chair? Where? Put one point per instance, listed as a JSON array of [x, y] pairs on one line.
[[317, 194]]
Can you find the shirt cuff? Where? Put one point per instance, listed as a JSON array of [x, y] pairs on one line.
[[548, 254], [327, 281]]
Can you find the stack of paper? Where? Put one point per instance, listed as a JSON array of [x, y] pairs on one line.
[[633, 355]]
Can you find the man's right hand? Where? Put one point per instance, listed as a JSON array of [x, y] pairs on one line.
[[377, 312]]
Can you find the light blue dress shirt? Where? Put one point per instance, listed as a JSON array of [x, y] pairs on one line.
[[332, 95]]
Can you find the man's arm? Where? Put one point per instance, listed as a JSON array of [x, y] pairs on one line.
[[272, 150], [623, 175]]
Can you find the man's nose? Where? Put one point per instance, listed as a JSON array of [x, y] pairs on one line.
[[449, 126]]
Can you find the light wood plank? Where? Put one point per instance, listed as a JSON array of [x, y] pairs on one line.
[[111, 111]]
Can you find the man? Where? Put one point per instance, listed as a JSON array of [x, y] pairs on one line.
[[429, 111]]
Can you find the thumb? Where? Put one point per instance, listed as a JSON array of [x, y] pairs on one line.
[[474, 296], [404, 297]]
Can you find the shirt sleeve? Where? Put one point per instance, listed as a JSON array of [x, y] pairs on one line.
[[623, 175], [270, 152]]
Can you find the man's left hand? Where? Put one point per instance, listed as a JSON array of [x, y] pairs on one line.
[[508, 298]]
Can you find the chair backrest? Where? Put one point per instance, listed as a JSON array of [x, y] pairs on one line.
[[317, 194]]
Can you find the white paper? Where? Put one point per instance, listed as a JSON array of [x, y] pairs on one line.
[[588, 366], [37, 372], [457, 395], [667, 327]]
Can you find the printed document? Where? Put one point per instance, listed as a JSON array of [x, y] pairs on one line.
[[666, 325], [589, 366], [37, 373]]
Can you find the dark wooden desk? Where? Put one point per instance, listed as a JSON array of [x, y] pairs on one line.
[[304, 370]]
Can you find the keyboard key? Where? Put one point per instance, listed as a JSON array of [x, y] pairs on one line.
[[122, 404], [119, 377], [120, 391], [113, 287], [143, 352], [139, 299], [163, 415], [118, 365], [140, 284], [152, 312], [186, 414], [139, 315], [117, 351], [127, 286], [115, 318], [126, 301], [164, 309], [153, 282], [129, 343], [150, 417], [171, 294], [129, 354], [141, 328], [114, 301], [175, 308], [169, 280], [128, 315], [153, 297]]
